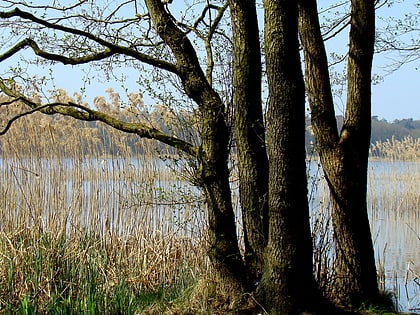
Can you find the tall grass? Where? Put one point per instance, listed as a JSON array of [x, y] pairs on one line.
[[92, 222], [87, 226], [86, 273], [394, 201], [407, 149]]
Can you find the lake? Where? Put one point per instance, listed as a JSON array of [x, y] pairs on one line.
[[394, 200], [119, 195]]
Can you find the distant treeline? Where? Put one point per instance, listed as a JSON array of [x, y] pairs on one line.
[[382, 130]]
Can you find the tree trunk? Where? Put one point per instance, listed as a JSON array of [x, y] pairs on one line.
[[213, 173], [356, 272], [355, 279], [344, 157], [288, 285], [250, 133]]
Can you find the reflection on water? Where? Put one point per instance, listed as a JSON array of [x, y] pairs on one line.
[[120, 195]]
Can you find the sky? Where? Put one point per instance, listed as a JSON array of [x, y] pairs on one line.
[[397, 96]]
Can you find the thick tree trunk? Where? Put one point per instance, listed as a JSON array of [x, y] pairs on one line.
[[250, 133], [355, 274], [223, 251], [287, 285], [344, 157]]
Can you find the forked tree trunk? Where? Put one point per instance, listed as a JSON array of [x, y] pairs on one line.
[[355, 273], [355, 268], [287, 285], [344, 157]]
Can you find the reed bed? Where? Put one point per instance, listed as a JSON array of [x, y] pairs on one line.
[[48, 273], [89, 226], [406, 149], [94, 221], [394, 202]]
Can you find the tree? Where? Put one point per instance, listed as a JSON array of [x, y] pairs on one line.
[[250, 133], [212, 173], [344, 156], [273, 186], [289, 251]]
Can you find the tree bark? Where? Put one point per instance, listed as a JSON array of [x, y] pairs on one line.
[[355, 268], [250, 133], [288, 285], [213, 173], [344, 157]]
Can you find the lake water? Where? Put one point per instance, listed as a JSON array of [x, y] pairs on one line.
[[394, 200], [120, 195]]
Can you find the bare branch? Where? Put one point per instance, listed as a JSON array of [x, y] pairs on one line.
[[55, 57], [207, 38], [337, 28], [64, 8], [115, 49], [219, 16]]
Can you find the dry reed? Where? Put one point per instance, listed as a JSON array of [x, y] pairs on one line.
[[89, 215], [406, 149]]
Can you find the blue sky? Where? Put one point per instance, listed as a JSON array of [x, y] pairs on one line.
[[398, 96]]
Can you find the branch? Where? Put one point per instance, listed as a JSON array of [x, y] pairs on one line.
[[115, 49], [212, 28], [46, 55], [213, 25], [84, 113], [12, 120], [317, 76], [207, 42], [332, 34], [189, 69], [28, 5]]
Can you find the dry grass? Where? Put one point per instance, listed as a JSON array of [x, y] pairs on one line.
[[393, 188], [89, 226], [51, 271], [394, 201], [407, 149], [92, 222]]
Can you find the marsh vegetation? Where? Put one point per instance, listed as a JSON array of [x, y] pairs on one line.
[[85, 230]]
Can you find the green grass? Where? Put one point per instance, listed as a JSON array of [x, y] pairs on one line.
[[47, 274]]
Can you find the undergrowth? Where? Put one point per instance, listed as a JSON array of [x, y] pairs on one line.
[[42, 273]]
